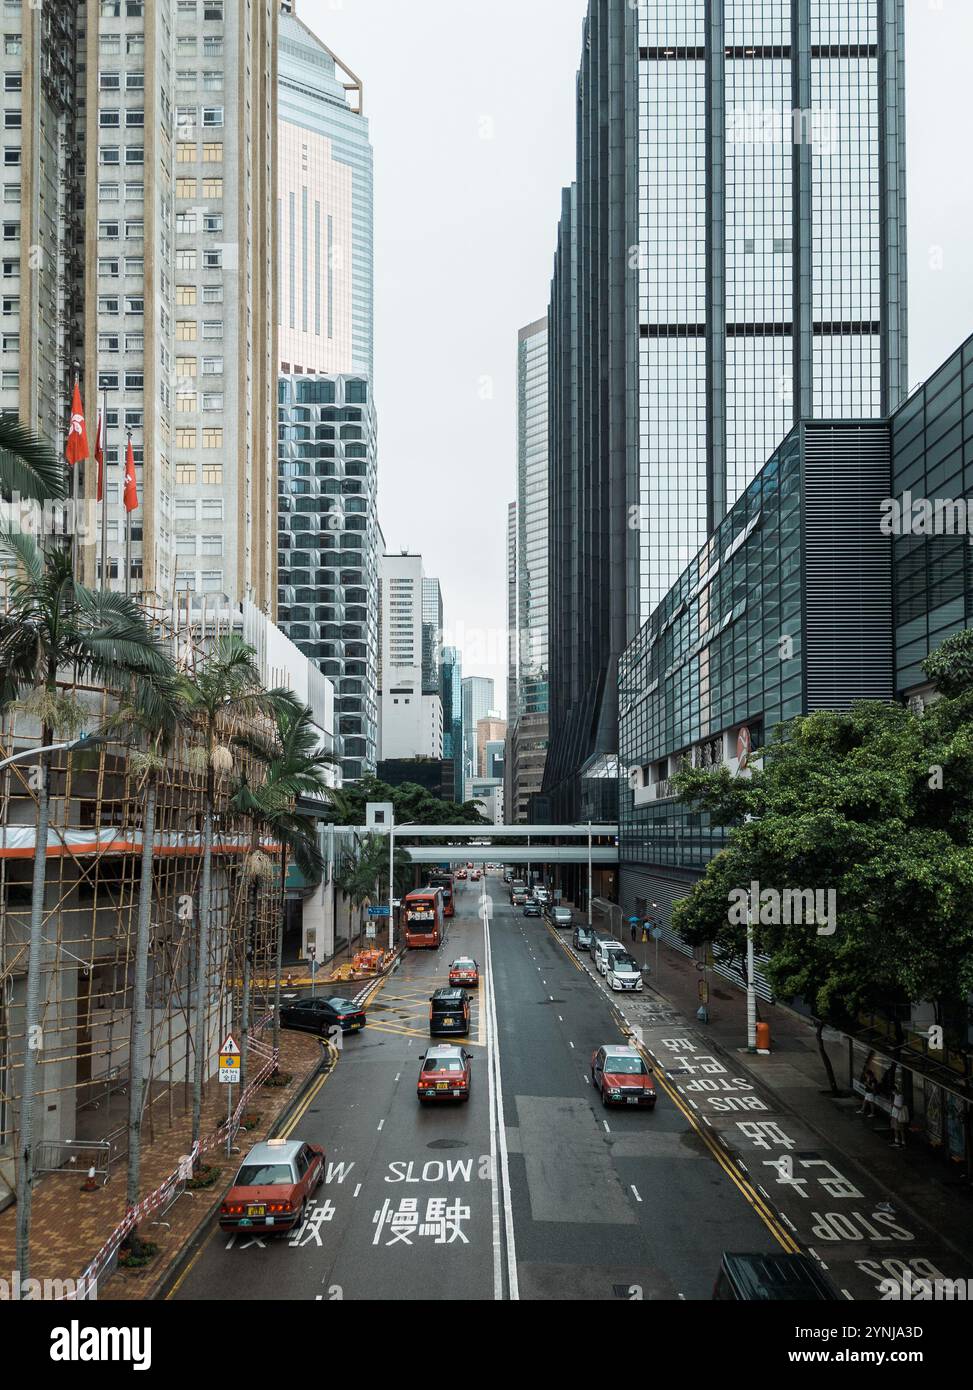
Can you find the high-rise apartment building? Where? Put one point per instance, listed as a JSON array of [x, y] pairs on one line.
[[157, 290], [731, 259], [329, 538], [411, 724]]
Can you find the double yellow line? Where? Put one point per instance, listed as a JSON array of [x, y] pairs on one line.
[[741, 1183]]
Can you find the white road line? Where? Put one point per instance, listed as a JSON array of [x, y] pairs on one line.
[[498, 1127], [586, 1079], [635, 1193], [560, 1019], [357, 1189], [605, 1123], [570, 1044], [381, 1125], [398, 1075]]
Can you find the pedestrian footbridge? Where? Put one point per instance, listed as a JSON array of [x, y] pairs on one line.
[[491, 844]]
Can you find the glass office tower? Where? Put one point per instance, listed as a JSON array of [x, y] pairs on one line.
[[731, 259], [452, 698], [478, 700], [329, 539]]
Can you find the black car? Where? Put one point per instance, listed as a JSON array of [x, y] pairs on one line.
[[532, 909], [449, 1013], [321, 1015], [774, 1278]]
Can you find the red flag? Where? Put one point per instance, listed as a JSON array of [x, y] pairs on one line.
[[131, 494], [100, 460], [77, 445]]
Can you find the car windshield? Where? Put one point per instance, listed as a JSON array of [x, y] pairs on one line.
[[442, 1064], [464, 965], [342, 1006], [264, 1175], [622, 962], [625, 1066]]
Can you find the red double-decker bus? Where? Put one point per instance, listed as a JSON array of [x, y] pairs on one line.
[[442, 878], [422, 919]]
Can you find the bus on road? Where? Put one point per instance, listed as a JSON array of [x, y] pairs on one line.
[[442, 878], [422, 919]]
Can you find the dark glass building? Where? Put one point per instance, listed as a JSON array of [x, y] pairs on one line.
[[730, 260]]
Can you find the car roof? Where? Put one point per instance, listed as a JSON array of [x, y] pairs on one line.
[[464, 960], [443, 1050], [448, 992], [621, 1050], [284, 1152], [777, 1277]]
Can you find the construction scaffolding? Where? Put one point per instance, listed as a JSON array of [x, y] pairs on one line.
[[90, 922]]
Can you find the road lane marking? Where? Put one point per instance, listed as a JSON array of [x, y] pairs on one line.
[[381, 1125], [635, 1193], [497, 1120]]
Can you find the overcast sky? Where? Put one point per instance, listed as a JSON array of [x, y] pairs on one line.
[[471, 105]]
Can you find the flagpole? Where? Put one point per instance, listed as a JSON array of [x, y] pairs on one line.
[[104, 494], [128, 530]]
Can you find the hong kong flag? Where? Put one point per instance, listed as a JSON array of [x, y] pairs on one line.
[[77, 445], [131, 492], [100, 460]]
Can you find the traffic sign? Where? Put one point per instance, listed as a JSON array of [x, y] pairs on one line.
[[378, 911], [229, 1062]]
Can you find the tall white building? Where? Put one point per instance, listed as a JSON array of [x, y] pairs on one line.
[[138, 191], [411, 723]]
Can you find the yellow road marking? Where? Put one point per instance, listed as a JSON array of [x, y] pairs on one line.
[[745, 1187]]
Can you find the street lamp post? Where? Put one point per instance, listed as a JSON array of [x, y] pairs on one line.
[[589, 875], [751, 990]]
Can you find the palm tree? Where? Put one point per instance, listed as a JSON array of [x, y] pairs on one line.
[[149, 718], [297, 766], [366, 871], [53, 623], [29, 467], [227, 686]]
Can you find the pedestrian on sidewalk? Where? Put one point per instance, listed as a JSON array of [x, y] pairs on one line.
[[867, 1107], [900, 1120]]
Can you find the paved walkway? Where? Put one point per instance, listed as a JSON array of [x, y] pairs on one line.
[[69, 1226]]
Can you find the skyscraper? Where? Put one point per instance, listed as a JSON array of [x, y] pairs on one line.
[[410, 696], [745, 269], [452, 697], [160, 287], [329, 542], [478, 696], [528, 726]]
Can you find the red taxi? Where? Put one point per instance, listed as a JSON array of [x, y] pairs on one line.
[[273, 1187], [621, 1076], [446, 1074], [464, 971]]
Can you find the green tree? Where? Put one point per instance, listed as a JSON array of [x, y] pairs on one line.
[[297, 766], [875, 806], [52, 625], [226, 686], [147, 719], [413, 804], [29, 466]]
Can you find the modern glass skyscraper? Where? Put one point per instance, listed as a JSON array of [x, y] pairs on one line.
[[452, 698], [478, 697], [731, 259], [329, 537]]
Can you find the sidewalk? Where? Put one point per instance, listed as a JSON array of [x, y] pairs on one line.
[[68, 1226], [916, 1178]]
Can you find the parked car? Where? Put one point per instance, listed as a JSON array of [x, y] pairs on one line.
[[449, 1013], [559, 916], [532, 909], [273, 1186], [464, 971], [624, 972], [582, 937], [542, 895], [606, 950], [446, 1074], [621, 1077], [518, 898], [321, 1015], [598, 938]]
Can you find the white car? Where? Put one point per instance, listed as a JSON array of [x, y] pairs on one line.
[[607, 949], [542, 895], [623, 972]]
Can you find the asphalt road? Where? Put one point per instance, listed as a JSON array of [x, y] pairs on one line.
[[561, 1200]]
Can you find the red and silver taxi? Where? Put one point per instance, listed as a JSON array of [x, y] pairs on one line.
[[273, 1187], [464, 972]]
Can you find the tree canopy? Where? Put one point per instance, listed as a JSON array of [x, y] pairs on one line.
[[875, 806], [413, 805]]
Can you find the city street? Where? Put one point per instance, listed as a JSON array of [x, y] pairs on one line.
[[563, 1200]]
